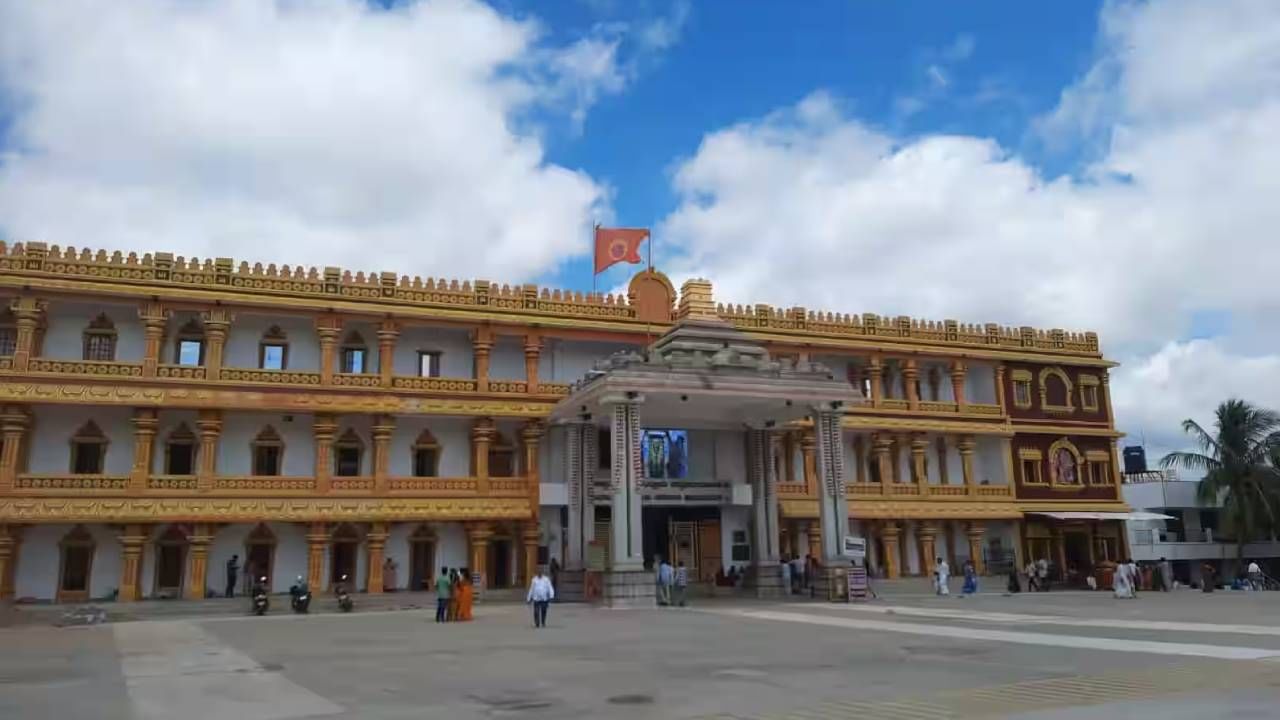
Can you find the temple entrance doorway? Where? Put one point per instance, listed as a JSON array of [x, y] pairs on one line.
[[171, 562], [422, 558], [500, 549], [345, 544], [77, 563], [1078, 557], [688, 534], [259, 556]]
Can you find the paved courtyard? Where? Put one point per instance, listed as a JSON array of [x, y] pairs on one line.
[[1048, 656]]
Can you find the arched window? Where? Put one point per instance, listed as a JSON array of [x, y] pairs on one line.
[[1055, 391], [8, 333], [426, 455], [88, 450], [171, 562], [180, 451], [75, 565], [502, 457], [268, 452], [354, 353], [188, 348], [100, 339], [348, 451], [273, 350]]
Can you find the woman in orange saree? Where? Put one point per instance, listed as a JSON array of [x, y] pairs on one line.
[[465, 596]]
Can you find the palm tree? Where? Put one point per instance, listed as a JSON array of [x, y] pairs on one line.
[[1240, 465]]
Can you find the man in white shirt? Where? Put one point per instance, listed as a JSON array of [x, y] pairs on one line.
[[1255, 575], [541, 593]]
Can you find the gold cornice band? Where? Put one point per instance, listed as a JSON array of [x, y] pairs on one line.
[[37, 510]]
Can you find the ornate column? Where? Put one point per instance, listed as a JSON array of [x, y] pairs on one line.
[[876, 371], [531, 434], [966, 445], [1000, 388], [580, 444], [145, 423], [808, 453], [374, 542], [833, 505], [383, 427], [764, 513], [317, 539], [198, 561], [217, 321], [328, 328], [532, 351], [478, 534], [889, 535], [627, 473], [880, 444], [209, 428], [926, 534], [27, 312], [13, 426], [910, 374], [814, 536], [481, 345], [154, 318], [388, 333], [482, 433], [324, 427], [530, 534], [919, 473], [975, 532], [9, 545], [958, 372], [132, 540]]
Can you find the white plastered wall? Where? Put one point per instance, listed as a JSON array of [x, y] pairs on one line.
[[36, 572], [453, 344], [55, 425], [235, 456], [67, 321], [245, 336]]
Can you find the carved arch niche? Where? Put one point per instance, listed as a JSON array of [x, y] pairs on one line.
[[1066, 464], [652, 295], [1055, 391]]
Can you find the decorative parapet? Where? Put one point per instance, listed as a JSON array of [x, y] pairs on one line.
[[433, 485], [85, 367], [274, 377], [365, 380], [180, 372], [434, 384], [71, 482], [173, 483], [271, 483]]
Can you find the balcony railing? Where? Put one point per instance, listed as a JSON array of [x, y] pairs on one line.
[[351, 484], [180, 372], [948, 490], [864, 488], [178, 483], [265, 483], [434, 384], [792, 489], [357, 380], [62, 483], [905, 489], [85, 367], [274, 377]]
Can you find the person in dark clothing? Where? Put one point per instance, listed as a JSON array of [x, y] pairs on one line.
[[233, 572]]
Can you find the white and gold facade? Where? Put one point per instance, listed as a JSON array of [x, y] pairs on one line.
[[158, 415]]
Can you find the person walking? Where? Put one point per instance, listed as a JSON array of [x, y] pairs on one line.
[[941, 576], [443, 591], [233, 572], [455, 593], [1042, 575], [466, 595], [786, 576], [1255, 575], [541, 593], [681, 584], [666, 576], [970, 578]]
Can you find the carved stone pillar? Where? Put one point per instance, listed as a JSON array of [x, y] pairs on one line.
[[132, 541], [154, 317], [481, 346], [958, 372], [975, 532], [766, 535], [532, 351], [1000, 388], [482, 433], [317, 540], [27, 312], [919, 472], [9, 545], [324, 427], [889, 535], [910, 376], [966, 445], [809, 461], [145, 423], [328, 328], [13, 427], [209, 428], [375, 541], [383, 427], [625, 479], [478, 535], [814, 535], [531, 434], [880, 445], [198, 561], [926, 535], [530, 535], [580, 444], [388, 333], [876, 372], [217, 322], [833, 505]]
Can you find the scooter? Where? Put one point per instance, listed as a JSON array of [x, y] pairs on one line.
[[260, 600], [301, 596], [344, 597]]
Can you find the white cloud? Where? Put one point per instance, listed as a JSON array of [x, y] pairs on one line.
[[324, 132], [811, 206]]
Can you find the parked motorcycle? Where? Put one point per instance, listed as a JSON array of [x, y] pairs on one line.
[[260, 600], [344, 598], [300, 596]]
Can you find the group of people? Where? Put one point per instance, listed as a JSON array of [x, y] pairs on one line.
[[671, 585], [1124, 581], [942, 578], [454, 595], [798, 574]]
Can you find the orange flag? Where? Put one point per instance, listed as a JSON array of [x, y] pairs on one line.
[[615, 245]]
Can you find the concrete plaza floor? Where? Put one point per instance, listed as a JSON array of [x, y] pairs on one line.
[[1054, 656]]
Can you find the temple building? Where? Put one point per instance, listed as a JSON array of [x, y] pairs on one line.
[[159, 415]]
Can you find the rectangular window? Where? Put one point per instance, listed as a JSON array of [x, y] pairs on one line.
[[190, 352], [181, 459], [1089, 397], [266, 460], [273, 356], [604, 448], [1022, 393], [101, 347], [8, 341], [353, 360], [428, 364], [87, 457], [1031, 472], [425, 462], [348, 462]]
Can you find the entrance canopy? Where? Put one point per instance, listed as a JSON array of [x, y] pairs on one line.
[[704, 373], [1104, 515]]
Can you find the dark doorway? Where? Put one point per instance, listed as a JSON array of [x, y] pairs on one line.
[[422, 564], [1075, 546], [500, 563], [663, 525], [169, 566]]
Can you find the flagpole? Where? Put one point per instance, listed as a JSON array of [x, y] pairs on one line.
[[650, 252], [595, 231]]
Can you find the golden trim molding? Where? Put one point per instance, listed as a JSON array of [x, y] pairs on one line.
[[48, 509], [899, 424], [869, 509]]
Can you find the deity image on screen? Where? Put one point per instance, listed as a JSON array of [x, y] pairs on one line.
[[655, 450], [1065, 464], [665, 454]]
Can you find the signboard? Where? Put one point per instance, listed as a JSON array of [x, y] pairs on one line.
[[857, 583], [855, 547]]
